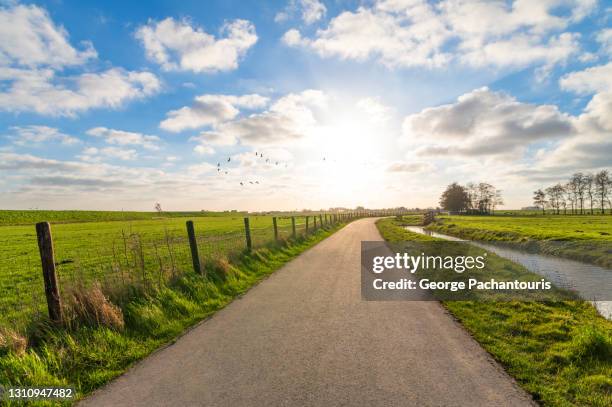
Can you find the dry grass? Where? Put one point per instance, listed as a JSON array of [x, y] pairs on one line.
[[12, 341], [217, 268], [90, 307]]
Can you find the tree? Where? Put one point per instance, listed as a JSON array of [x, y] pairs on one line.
[[589, 189], [578, 181], [158, 208], [555, 197], [455, 198], [539, 200], [572, 195], [603, 185], [498, 199]]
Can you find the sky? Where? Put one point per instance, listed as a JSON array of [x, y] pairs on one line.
[[294, 104]]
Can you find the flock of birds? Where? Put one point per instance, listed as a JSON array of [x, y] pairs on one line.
[[220, 170]]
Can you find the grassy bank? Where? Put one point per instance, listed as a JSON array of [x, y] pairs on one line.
[[108, 333], [560, 352], [583, 238]]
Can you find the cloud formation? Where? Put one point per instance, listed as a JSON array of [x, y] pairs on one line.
[[417, 33], [125, 138], [33, 50], [177, 45], [208, 110], [485, 123], [310, 11], [33, 134]]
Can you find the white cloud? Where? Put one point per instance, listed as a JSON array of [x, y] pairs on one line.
[[293, 38], [209, 110], [12, 161], [591, 80], [124, 138], [95, 155], [374, 109], [590, 148], [484, 123], [30, 38], [214, 138], [39, 91], [288, 119], [32, 52], [27, 135], [407, 33], [204, 149], [604, 37], [176, 45], [310, 11]]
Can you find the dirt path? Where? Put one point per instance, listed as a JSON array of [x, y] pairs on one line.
[[305, 337]]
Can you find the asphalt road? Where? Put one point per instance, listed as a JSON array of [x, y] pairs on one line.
[[304, 337]]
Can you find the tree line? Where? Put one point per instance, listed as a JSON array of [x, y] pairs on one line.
[[481, 198], [581, 193]]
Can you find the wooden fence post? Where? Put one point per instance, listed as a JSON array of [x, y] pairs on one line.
[[321, 220], [275, 228], [47, 259], [307, 224], [314, 222], [193, 244], [247, 233], [293, 227]]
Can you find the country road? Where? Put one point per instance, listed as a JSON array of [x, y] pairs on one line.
[[304, 337]]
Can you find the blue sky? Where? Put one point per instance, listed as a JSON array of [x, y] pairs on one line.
[[107, 105]]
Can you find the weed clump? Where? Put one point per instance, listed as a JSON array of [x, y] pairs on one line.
[[217, 268], [12, 342], [90, 307]]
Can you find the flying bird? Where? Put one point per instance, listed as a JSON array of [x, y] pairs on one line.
[[229, 159], [257, 182], [218, 164], [241, 184]]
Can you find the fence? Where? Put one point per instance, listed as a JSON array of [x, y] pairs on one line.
[[33, 281]]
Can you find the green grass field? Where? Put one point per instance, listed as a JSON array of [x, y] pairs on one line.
[[586, 238], [102, 343], [559, 351], [30, 217], [548, 227], [107, 251]]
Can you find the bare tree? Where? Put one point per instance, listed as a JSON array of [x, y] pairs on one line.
[[603, 186], [539, 200], [555, 197], [589, 189], [498, 199], [572, 191], [158, 208], [578, 181]]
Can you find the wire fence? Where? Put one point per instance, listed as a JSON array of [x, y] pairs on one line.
[[129, 257]]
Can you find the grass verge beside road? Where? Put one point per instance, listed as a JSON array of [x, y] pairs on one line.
[[103, 342], [560, 352]]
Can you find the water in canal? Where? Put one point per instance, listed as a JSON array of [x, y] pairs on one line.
[[591, 282]]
